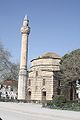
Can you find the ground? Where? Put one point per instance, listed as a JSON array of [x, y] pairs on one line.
[[29, 111]]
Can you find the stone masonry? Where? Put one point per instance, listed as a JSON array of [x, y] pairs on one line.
[[22, 82], [41, 77]]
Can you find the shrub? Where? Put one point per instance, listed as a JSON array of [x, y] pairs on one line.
[[57, 101], [60, 103]]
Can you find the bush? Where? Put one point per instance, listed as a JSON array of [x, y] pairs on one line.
[[60, 103], [57, 101], [72, 106]]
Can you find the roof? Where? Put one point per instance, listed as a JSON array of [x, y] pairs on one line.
[[10, 82], [49, 55]]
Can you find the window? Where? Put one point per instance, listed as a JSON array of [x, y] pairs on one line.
[[29, 82], [44, 95], [29, 95], [36, 73], [43, 81]]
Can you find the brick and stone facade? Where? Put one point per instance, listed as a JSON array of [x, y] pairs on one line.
[[41, 84]]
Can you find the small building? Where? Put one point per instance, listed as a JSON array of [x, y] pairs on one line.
[[8, 89], [41, 84]]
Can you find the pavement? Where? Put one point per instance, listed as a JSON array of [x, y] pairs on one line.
[[30, 111]]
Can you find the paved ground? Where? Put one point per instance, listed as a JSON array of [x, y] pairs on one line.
[[27, 111]]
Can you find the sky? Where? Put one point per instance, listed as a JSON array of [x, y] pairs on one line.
[[55, 26]]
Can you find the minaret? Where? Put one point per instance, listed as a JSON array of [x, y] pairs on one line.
[[22, 82]]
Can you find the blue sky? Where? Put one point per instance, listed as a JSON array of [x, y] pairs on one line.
[[55, 26]]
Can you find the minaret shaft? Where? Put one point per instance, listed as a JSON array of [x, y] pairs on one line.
[[24, 52], [23, 76]]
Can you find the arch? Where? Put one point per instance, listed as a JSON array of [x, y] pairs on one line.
[[28, 89], [43, 89]]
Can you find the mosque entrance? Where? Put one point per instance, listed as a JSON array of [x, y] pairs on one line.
[[43, 95], [29, 95]]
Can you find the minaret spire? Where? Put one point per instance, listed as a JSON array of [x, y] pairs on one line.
[[25, 21], [22, 82], [25, 18]]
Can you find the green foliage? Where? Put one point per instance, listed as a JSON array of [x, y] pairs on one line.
[[57, 101], [67, 105], [72, 106], [70, 66]]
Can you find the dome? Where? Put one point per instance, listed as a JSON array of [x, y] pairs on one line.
[[50, 55]]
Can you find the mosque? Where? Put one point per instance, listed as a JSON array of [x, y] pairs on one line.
[[41, 83], [38, 83]]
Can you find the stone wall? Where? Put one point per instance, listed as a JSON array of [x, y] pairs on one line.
[[42, 69]]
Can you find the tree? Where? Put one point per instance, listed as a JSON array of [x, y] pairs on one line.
[[69, 73], [70, 67], [8, 70], [12, 73], [4, 61]]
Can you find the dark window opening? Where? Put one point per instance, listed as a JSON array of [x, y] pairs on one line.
[[29, 82], [44, 95], [36, 73], [43, 81], [29, 93]]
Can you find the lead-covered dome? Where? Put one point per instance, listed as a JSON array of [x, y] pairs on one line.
[[49, 60], [50, 55]]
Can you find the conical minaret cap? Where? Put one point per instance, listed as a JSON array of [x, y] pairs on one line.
[[26, 21], [25, 18]]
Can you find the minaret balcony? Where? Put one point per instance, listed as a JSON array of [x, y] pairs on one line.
[[25, 30]]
